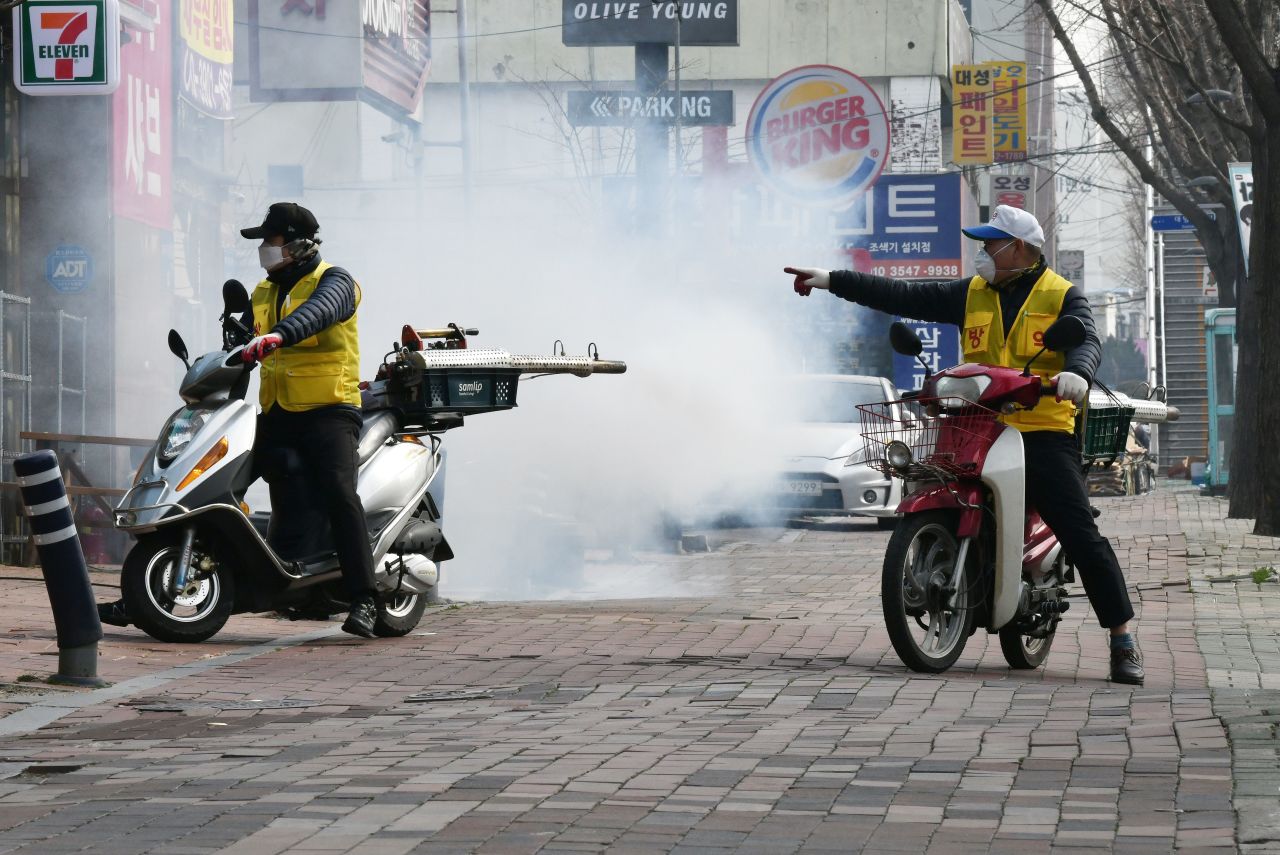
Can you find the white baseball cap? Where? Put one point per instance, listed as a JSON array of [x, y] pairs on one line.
[[1008, 222]]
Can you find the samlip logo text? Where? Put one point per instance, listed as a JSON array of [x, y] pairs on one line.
[[473, 388]]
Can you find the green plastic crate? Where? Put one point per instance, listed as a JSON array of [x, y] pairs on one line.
[[1106, 432]]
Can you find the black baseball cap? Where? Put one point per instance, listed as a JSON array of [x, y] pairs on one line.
[[285, 219]]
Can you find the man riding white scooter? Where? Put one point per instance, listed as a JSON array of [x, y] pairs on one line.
[[305, 337], [1003, 313]]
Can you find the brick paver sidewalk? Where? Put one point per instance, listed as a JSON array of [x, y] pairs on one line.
[[768, 715]]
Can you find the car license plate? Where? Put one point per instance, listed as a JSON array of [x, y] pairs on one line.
[[804, 488]]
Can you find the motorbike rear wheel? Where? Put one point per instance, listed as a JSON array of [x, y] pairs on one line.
[[1023, 652], [194, 615], [927, 628], [399, 614]]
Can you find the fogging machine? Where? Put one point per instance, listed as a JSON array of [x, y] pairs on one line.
[[433, 378]]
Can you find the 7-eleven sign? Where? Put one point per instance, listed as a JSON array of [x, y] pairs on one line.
[[67, 48]]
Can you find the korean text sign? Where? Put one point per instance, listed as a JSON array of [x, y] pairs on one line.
[[142, 126], [909, 225], [1008, 110], [941, 343], [971, 114]]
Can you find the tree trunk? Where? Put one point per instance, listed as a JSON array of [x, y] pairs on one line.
[[1264, 307]]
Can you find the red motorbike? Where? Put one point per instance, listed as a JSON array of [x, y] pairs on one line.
[[968, 552]]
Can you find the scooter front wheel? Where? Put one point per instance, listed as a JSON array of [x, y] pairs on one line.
[[193, 614], [927, 619]]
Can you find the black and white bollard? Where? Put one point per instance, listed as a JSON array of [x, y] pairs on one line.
[[66, 577]]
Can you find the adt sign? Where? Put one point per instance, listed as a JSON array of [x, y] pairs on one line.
[[69, 268]]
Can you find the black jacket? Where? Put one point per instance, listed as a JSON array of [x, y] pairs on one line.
[[333, 301], [944, 302]]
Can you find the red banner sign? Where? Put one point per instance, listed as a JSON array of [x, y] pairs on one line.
[[142, 125]]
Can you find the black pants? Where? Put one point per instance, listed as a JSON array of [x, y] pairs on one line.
[[1056, 488], [309, 461]]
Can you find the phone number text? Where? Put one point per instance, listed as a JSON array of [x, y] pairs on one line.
[[933, 270]]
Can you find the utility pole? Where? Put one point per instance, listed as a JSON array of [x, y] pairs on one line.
[[464, 106], [651, 140], [679, 103]]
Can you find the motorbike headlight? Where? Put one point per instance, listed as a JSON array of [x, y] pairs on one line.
[[898, 454], [178, 433], [956, 391]]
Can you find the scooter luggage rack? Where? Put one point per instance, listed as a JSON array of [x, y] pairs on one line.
[[917, 422]]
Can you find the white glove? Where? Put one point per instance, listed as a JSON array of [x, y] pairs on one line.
[[1073, 387], [808, 278], [262, 347]]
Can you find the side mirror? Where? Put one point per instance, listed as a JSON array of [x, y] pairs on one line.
[[178, 347], [235, 299], [904, 340], [1064, 334]]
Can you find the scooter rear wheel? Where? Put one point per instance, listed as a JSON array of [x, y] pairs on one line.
[[399, 614], [193, 615], [928, 628]]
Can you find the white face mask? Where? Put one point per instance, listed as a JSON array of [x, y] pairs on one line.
[[271, 256], [985, 265]]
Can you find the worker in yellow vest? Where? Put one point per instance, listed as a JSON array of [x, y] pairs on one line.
[[1003, 313], [304, 317]]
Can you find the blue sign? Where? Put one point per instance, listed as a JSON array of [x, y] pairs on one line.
[[910, 229], [69, 268], [1174, 222], [941, 350]]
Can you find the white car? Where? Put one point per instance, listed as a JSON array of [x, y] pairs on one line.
[[816, 477]]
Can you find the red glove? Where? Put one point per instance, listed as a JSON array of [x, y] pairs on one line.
[[262, 347], [808, 278]]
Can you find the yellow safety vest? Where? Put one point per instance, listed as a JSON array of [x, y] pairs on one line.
[[317, 372], [983, 341]]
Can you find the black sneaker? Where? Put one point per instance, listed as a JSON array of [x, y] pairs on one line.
[[361, 617], [113, 613], [1126, 666]]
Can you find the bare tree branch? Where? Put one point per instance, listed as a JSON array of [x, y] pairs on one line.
[[1247, 52], [1176, 196]]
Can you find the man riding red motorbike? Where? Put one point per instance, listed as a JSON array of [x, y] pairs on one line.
[[1003, 313]]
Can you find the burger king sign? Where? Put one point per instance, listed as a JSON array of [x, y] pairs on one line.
[[819, 135]]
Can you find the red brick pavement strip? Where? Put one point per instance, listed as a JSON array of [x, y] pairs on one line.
[[769, 718]]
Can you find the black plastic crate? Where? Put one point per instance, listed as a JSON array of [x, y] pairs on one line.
[[420, 395], [464, 390]]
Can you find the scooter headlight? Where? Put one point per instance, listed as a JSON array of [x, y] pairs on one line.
[[898, 455], [178, 433], [954, 392]]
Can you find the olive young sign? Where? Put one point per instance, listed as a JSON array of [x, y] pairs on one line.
[[66, 48], [819, 135], [630, 22]]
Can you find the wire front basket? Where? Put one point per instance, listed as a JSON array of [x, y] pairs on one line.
[[969, 431]]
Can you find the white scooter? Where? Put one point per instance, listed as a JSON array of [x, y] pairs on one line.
[[202, 555]]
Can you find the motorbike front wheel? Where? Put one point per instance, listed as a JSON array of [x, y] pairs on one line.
[[927, 625], [193, 614]]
